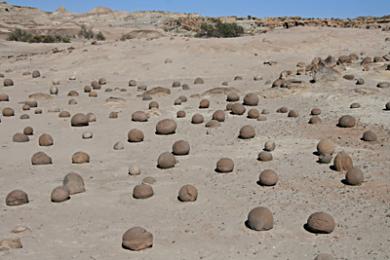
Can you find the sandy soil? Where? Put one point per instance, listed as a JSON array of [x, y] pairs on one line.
[[90, 225]]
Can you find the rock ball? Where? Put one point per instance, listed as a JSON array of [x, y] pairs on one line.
[[135, 136], [74, 183], [79, 120], [342, 162], [268, 178], [181, 147], [60, 194], [142, 191], [225, 165], [325, 146], [260, 219], [347, 121], [166, 127], [354, 176], [80, 157], [188, 193], [45, 140], [247, 132], [166, 160], [137, 238], [41, 158], [251, 99], [320, 222], [16, 198]]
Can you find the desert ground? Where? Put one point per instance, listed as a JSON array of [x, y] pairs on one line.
[[90, 225]]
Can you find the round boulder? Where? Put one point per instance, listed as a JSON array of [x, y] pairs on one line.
[[181, 147], [225, 165], [166, 160], [251, 99], [16, 198], [320, 222], [268, 178], [139, 116], [20, 138], [354, 176], [40, 158], [80, 157], [342, 162], [142, 191], [197, 119], [79, 120], [135, 136], [325, 146], [74, 183], [260, 219], [45, 140], [188, 193], [369, 136], [347, 121], [60, 194], [247, 132], [137, 238], [166, 127]]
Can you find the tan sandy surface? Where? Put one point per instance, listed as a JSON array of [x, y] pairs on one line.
[[90, 225]]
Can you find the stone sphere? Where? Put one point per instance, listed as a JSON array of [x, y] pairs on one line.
[[80, 157], [212, 124], [28, 130], [79, 120], [40, 158], [24, 116], [95, 85], [139, 116], [25, 107], [16, 198], [8, 83], [198, 81], [188, 193], [282, 110], [247, 132], [315, 120], [315, 111], [36, 74], [45, 140], [74, 183], [369, 136], [134, 170], [342, 162], [38, 111], [166, 127], [183, 99], [325, 146], [4, 98], [7, 112], [181, 114], [229, 106], [269, 146], [166, 160], [347, 121], [293, 113], [64, 114], [320, 222], [204, 103], [87, 89], [354, 176], [268, 178], [324, 257], [238, 109], [73, 93], [355, 105], [87, 135], [60, 194], [181, 147], [137, 238], [53, 90], [135, 136], [154, 105], [219, 116], [253, 113], [197, 119], [264, 156], [102, 81], [225, 165], [260, 219], [93, 94], [251, 99], [132, 83], [142, 191], [20, 138], [232, 97], [113, 115], [118, 146]]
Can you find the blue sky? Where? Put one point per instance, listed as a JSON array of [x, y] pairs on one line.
[[259, 8]]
